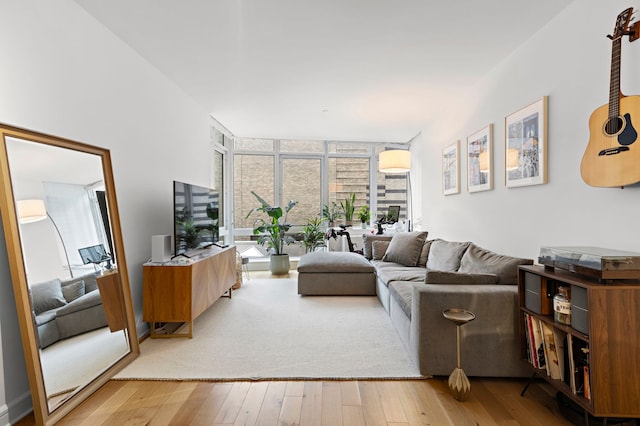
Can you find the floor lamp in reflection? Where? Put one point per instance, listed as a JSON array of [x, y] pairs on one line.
[[398, 161], [34, 210]]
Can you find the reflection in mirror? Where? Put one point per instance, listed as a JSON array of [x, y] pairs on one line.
[[72, 274]]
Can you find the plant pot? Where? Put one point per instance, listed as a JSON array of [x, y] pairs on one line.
[[364, 225], [349, 222], [279, 264]]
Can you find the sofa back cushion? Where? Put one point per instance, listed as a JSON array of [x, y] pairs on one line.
[[367, 241], [405, 248], [71, 290], [46, 296], [479, 260], [424, 254], [446, 255], [90, 282], [379, 249]]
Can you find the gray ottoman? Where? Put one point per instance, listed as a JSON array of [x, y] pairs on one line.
[[336, 274]]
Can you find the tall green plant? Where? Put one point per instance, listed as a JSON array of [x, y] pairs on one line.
[[331, 214], [349, 206], [273, 231], [312, 234]]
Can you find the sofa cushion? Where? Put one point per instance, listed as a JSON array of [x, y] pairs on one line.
[[479, 260], [367, 241], [424, 253], [87, 301], [46, 296], [445, 277], [379, 249], [72, 290], [446, 255], [402, 292], [334, 261], [405, 248], [395, 272]]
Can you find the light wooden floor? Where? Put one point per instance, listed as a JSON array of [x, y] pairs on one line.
[[331, 403]]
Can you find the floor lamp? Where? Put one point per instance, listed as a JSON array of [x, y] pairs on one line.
[[30, 211], [398, 161]]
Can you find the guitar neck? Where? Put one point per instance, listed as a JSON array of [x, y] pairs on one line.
[[614, 86]]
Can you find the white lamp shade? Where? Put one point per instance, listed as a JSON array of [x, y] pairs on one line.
[[394, 161], [31, 211]]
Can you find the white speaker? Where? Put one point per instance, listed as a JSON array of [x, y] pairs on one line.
[[160, 248]]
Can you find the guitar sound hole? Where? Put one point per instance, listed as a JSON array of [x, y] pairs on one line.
[[614, 125]]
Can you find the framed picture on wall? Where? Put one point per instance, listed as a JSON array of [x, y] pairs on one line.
[[480, 160], [525, 140], [451, 169]]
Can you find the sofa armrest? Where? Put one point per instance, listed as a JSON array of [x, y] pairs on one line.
[[87, 301], [490, 343]]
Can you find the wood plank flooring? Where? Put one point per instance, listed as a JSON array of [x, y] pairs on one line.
[[330, 403]]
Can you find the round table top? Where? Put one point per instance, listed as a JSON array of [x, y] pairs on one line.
[[458, 316]]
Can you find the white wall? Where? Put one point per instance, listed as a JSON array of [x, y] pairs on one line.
[[568, 60], [64, 74]]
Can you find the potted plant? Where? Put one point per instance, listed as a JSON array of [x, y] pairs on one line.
[[348, 208], [331, 214], [364, 214], [273, 233], [313, 234]]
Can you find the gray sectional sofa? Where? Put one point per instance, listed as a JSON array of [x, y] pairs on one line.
[[416, 279], [63, 309]]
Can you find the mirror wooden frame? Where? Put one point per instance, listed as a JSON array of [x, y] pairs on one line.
[[42, 413]]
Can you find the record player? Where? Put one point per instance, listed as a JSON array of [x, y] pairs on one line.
[[602, 263]]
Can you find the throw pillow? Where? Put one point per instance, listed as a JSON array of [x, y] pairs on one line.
[[443, 277], [479, 260], [424, 254], [379, 248], [46, 296], [367, 241], [446, 255], [405, 248], [90, 282], [71, 291]]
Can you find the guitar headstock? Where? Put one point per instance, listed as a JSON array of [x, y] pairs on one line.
[[622, 24]]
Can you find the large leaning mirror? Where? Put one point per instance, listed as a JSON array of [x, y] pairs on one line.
[[65, 250]]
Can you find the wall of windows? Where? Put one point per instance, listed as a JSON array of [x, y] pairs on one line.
[[314, 173]]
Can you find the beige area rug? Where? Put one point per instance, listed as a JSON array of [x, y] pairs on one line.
[[74, 362], [267, 331]]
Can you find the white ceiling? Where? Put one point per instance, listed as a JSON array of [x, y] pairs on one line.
[[358, 70]]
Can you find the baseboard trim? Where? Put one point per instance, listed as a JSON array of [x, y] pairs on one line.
[[16, 409]]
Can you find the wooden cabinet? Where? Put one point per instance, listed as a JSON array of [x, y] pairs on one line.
[[112, 299], [604, 336], [178, 292]]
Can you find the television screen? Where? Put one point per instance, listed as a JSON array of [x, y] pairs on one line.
[[196, 217]]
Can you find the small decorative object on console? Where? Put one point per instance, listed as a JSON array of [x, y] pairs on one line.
[[562, 306]]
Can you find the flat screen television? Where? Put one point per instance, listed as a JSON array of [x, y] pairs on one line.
[[196, 217]]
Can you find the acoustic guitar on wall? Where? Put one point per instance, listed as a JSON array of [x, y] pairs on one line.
[[612, 157]]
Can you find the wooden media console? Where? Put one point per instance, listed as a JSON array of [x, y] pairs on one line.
[[177, 292]]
